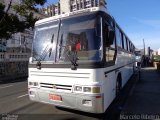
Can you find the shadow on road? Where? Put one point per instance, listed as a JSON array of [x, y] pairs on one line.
[[144, 100]]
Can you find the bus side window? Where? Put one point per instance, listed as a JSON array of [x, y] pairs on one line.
[[129, 48], [124, 42], [127, 44], [118, 38], [110, 49]]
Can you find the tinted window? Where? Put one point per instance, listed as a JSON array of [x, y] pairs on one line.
[[80, 36], [44, 41], [118, 37], [127, 44], [124, 42], [129, 49]]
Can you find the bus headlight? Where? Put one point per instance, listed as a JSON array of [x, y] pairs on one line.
[[96, 90], [78, 88], [93, 89], [86, 89]]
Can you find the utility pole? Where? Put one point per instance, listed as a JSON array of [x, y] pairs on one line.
[[144, 59], [144, 46]]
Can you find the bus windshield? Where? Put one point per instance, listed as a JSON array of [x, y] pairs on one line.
[[66, 40], [80, 39], [44, 42]]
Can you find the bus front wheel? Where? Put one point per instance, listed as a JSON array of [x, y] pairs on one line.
[[118, 85]]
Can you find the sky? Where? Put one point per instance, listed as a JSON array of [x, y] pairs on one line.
[[139, 19]]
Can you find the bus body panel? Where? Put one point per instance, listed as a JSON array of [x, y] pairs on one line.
[[57, 75], [65, 87], [124, 66], [72, 100]]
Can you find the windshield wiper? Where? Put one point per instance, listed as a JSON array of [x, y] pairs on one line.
[[50, 49], [60, 49], [71, 55], [42, 57]]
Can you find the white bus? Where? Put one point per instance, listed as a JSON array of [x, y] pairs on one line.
[[80, 60]]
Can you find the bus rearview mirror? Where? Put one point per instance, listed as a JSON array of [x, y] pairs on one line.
[[111, 36], [110, 39]]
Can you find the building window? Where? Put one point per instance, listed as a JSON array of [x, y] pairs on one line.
[[23, 38], [13, 40]]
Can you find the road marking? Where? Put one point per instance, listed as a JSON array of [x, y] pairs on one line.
[[6, 86], [22, 96]]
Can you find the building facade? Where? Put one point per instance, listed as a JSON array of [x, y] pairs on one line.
[[2, 41], [73, 5], [20, 42], [159, 51], [65, 6], [50, 10], [147, 52], [155, 53]]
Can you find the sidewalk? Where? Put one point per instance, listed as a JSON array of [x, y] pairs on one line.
[[144, 100]]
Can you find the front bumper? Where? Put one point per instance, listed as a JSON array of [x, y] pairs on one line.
[[70, 100]]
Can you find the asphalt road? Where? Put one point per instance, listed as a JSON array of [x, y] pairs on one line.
[[14, 102]]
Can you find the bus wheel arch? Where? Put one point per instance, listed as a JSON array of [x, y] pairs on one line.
[[118, 84]]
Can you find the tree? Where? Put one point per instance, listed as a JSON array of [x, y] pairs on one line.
[[21, 17]]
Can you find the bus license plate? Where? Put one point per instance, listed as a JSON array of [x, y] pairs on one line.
[[55, 97]]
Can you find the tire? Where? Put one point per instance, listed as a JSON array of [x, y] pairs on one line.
[[118, 85]]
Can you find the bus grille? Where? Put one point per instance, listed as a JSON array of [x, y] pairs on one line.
[[56, 87]]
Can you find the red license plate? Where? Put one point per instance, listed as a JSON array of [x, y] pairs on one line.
[[55, 97]]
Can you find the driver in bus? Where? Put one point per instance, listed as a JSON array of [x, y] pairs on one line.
[[78, 45]]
